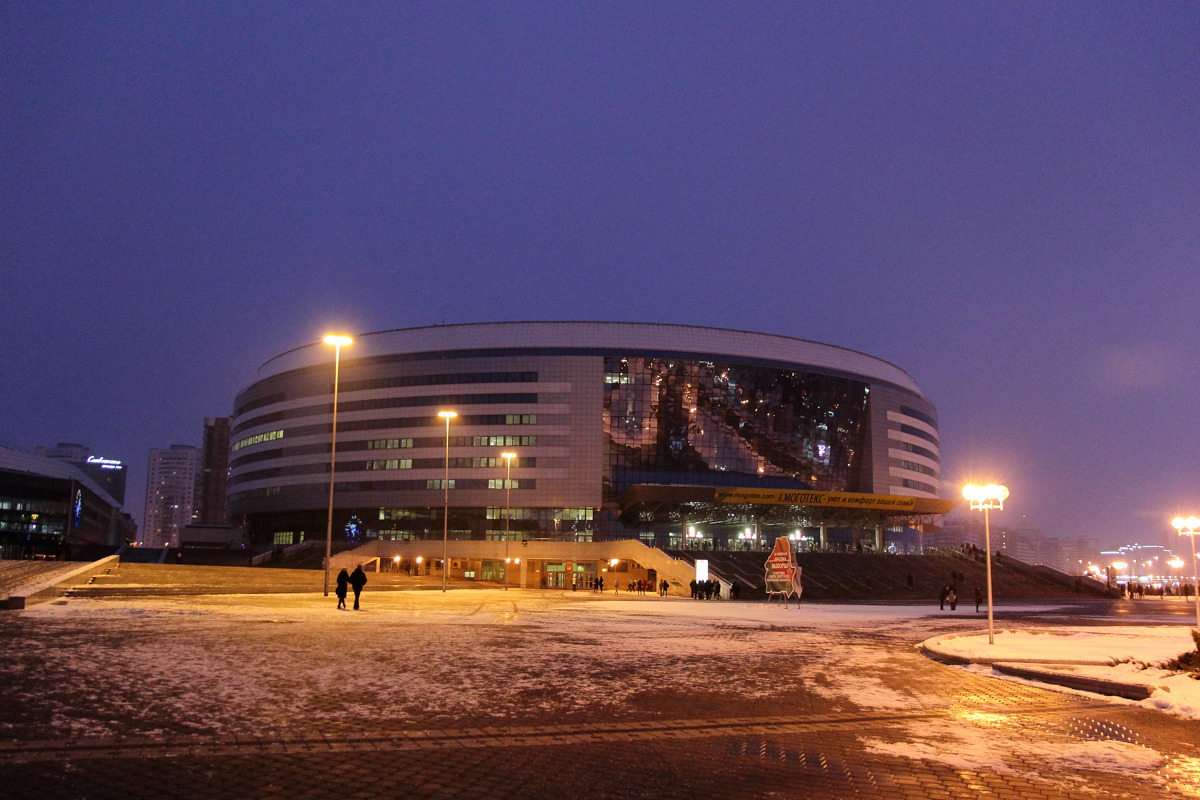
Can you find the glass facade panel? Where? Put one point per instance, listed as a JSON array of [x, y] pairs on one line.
[[676, 421]]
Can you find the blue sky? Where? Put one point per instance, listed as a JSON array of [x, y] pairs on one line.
[[999, 198]]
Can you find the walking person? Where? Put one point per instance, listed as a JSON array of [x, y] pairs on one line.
[[942, 598], [358, 579], [978, 598], [343, 582], [952, 599]]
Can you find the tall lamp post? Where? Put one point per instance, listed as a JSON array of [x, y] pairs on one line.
[[986, 498], [337, 342], [1187, 527], [446, 415], [508, 457]]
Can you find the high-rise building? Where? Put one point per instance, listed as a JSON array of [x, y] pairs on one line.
[[215, 473], [172, 484]]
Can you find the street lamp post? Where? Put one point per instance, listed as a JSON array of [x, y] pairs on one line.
[[508, 457], [337, 342], [986, 498], [1187, 527], [446, 415]]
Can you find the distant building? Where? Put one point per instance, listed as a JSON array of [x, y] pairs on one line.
[[1074, 556], [1140, 562], [215, 472], [172, 483], [956, 532], [1022, 543], [109, 473], [49, 506]]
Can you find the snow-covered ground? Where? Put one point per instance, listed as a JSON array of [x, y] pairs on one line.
[[1129, 654], [261, 664]]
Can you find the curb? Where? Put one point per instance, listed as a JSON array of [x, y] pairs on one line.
[[1130, 691], [1027, 668], [931, 649]]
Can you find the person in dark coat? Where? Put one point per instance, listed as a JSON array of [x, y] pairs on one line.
[[343, 581], [942, 598], [358, 579], [978, 598]]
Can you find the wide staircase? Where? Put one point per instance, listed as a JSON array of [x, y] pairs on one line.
[[18, 575], [898, 578], [159, 580]]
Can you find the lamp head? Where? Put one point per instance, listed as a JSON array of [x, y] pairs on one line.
[[1189, 524], [448, 415], [336, 339], [509, 456], [990, 496]]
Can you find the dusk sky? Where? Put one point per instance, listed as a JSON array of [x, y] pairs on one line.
[[1002, 199]]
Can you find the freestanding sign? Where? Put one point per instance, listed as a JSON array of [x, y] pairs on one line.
[[783, 574]]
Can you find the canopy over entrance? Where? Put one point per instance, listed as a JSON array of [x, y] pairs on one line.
[[657, 504]]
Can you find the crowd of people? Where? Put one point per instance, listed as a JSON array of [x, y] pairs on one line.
[[710, 590], [596, 583]]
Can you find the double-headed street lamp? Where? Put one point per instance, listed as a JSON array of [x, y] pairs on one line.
[[446, 415], [986, 498], [508, 457], [1187, 527], [337, 342]]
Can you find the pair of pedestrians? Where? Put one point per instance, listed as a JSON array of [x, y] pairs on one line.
[[357, 580]]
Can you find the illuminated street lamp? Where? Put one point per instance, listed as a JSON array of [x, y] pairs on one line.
[[986, 498], [338, 342], [446, 415], [1187, 527], [508, 457]]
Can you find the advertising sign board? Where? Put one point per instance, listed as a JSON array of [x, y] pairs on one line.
[[782, 572]]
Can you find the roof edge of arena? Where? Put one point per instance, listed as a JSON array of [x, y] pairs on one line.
[[617, 337]]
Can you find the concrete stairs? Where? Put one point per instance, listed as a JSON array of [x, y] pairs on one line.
[[181, 580], [883, 576]]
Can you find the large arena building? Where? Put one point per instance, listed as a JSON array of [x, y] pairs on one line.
[[673, 435]]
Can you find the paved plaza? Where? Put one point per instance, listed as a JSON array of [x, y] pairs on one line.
[[532, 694]]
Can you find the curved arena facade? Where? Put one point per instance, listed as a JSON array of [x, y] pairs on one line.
[[619, 430]]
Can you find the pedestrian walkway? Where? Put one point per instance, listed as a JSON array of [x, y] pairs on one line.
[[533, 694]]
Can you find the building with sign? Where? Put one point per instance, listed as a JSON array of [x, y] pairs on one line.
[[51, 506], [109, 473], [661, 433]]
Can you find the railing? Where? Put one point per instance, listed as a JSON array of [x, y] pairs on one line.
[[263, 558]]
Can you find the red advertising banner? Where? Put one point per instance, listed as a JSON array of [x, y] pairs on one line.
[[782, 573]]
